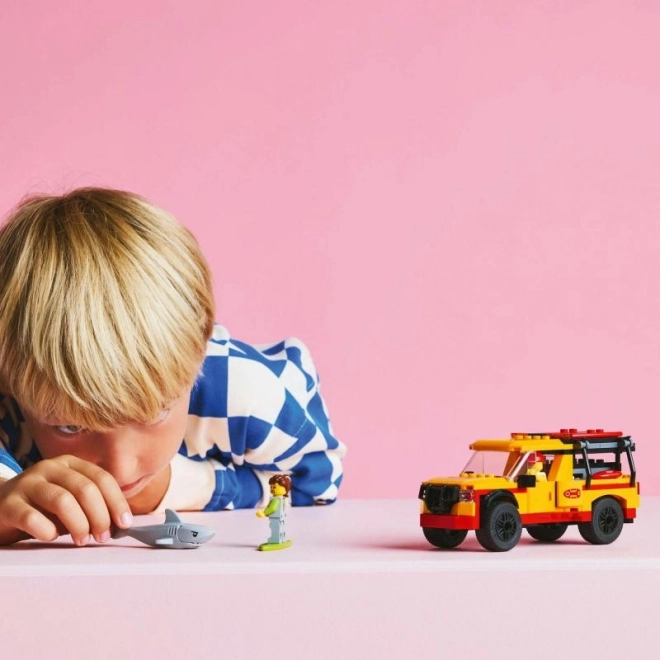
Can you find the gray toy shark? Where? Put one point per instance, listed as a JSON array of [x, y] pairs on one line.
[[173, 533]]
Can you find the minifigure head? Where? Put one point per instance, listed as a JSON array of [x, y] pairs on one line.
[[280, 485], [535, 462], [105, 310]]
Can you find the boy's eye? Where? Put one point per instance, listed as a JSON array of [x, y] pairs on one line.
[[68, 429]]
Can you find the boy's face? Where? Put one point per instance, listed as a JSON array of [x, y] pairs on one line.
[[133, 454]]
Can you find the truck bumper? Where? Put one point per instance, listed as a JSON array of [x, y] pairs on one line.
[[448, 522]]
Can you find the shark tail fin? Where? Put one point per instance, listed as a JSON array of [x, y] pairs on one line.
[[118, 533]]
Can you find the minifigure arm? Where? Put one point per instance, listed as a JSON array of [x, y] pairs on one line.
[[272, 507]]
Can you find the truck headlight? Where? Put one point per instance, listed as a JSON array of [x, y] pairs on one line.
[[466, 495]]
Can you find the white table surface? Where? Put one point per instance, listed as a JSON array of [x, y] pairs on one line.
[[359, 581]]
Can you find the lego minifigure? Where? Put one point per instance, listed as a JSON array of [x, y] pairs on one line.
[[535, 466], [280, 485]]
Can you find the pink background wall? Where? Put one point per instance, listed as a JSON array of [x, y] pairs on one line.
[[455, 204]]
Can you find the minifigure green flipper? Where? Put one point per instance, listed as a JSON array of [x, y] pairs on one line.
[[275, 546]]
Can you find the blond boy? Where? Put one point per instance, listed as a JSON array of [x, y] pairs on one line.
[[119, 394]]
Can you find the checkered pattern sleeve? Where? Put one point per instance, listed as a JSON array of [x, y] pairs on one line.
[[255, 411], [9, 433]]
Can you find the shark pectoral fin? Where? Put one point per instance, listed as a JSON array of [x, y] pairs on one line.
[[167, 541], [171, 516]]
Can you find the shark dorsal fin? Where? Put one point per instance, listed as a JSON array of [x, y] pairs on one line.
[[171, 517]]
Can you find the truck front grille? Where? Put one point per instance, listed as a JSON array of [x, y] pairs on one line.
[[438, 498]]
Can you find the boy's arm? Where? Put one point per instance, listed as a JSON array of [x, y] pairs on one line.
[[9, 434], [8, 466], [272, 420]]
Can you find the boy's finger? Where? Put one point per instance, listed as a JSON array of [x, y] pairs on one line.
[[116, 503], [33, 522], [89, 498], [51, 498]]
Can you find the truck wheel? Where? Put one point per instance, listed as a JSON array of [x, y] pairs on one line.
[[502, 528], [444, 538], [605, 524], [548, 532]]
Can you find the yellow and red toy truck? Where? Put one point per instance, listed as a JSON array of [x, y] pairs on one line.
[[540, 481]]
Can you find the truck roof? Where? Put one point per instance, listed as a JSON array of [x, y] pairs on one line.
[[526, 443], [549, 442]]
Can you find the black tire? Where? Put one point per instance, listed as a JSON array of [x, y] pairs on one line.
[[606, 522], [444, 538], [548, 532], [502, 527]]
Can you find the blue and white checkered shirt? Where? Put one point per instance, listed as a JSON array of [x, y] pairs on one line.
[[255, 411]]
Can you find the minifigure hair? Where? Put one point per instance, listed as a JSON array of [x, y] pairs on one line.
[[106, 305], [283, 480]]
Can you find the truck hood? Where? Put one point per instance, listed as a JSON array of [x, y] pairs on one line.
[[476, 481]]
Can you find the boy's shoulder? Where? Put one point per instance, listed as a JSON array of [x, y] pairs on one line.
[[238, 378], [276, 356]]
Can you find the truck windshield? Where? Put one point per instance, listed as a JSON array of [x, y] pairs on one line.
[[499, 463]]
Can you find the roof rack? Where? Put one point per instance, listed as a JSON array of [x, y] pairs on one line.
[[593, 441], [570, 434]]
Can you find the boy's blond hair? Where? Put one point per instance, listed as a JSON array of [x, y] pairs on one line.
[[106, 306]]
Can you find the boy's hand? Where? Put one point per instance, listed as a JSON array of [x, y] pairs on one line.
[[58, 496]]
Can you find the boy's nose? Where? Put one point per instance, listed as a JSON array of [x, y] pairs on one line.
[[117, 456]]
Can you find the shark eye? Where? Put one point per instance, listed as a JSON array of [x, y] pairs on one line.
[[195, 534]]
